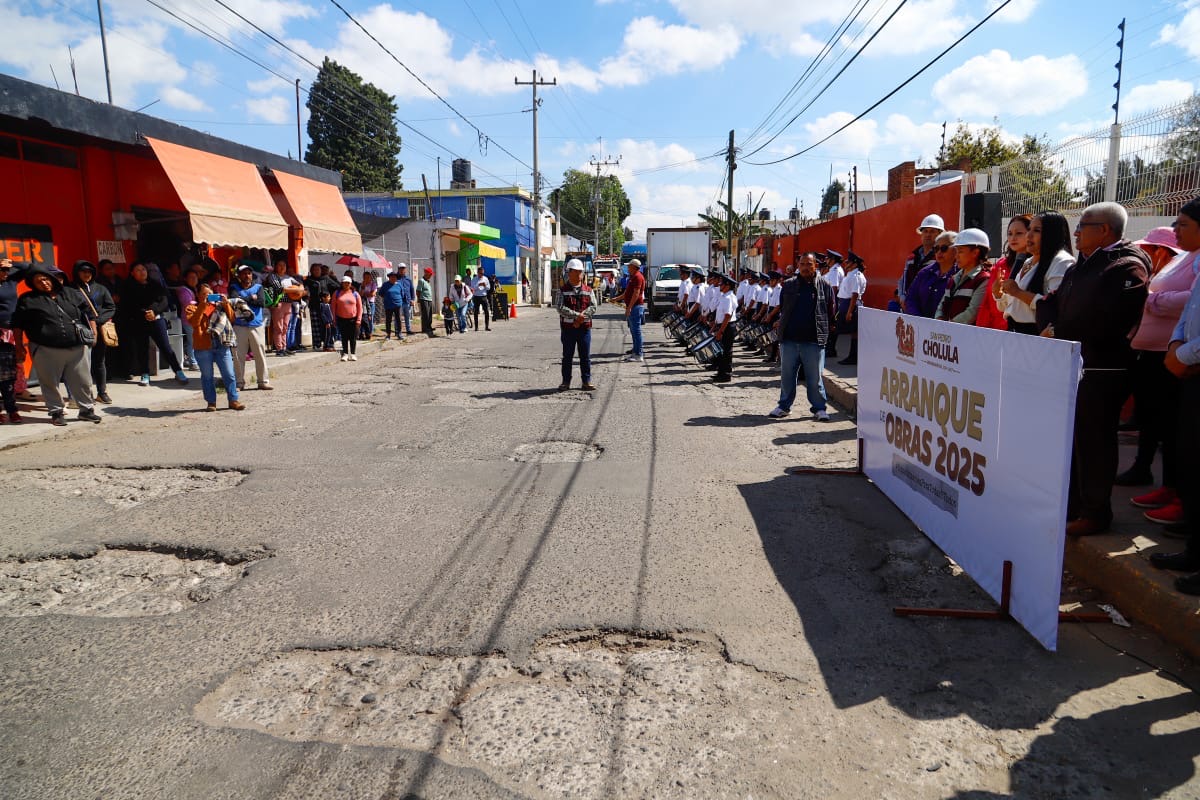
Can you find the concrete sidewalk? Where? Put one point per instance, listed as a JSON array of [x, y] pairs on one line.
[[1115, 563]]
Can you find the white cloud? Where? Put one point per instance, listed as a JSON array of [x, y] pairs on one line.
[[651, 47], [263, 85], [918, 26], [1156, 95], [861, 137], [1185, 34], [1017, 10], [995, 83], [186, 101], [271, 109]]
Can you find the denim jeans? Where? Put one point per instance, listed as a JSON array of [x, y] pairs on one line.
[[576, 339], [189, 356], [220, 357], [460, 313], [637, 316], [793, 355], [408, 314]]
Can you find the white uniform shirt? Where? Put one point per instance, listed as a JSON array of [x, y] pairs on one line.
[[726, 306], [760, 293], [834, 276], [773, 295], [696, 293], [855, 282], [742, 290], [684, 288], [708, 300]]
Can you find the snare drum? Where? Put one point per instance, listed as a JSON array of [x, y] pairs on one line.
[[706, 350], [695, 334]]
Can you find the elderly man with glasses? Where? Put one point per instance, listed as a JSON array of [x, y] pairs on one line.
[[1099, 304]]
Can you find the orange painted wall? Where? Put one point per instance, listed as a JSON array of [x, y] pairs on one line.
[[884, 236]]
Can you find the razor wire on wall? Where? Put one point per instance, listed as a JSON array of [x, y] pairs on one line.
[[1153, 169]]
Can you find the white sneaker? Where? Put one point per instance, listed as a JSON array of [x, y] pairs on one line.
[[823, 415], [353, 357], [632, 358], [345, 358], [778, 412]]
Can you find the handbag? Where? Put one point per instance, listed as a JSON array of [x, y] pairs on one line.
[[84, 334], [108, 330]]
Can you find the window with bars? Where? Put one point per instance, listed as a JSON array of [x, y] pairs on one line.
[[417, 209], [475, 212]]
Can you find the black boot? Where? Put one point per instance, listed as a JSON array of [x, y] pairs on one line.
[[852, 358]]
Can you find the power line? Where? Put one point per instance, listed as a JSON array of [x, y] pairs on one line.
[[890, 94], [832, 80], [483, 137]]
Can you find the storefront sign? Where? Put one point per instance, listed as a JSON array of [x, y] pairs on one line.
[[113, 251], [31, 243], [968, 431]]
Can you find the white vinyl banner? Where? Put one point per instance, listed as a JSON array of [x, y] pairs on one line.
[[968, 431]]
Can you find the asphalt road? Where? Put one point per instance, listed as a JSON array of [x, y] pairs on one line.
[[428, 574]]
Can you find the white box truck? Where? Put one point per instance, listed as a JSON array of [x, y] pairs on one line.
[[666, 250]]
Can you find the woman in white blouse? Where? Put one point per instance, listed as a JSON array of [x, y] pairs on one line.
[[1049, 242]]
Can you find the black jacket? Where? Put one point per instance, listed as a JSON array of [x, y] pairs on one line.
[[1099, 304], [824, 310], [49, 319], [138, 298], [101, 299]]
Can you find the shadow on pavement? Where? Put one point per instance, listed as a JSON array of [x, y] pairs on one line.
[[825, 436], [857, 557]]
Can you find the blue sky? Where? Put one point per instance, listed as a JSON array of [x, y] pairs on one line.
[[658, 82]]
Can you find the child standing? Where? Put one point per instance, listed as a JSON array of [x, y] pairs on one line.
[[326, 322], [448, 315]]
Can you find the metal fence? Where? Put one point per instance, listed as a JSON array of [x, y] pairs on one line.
[[1150, 164]]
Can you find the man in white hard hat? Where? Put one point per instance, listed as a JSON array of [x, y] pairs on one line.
[[576, 307], [922, 256]]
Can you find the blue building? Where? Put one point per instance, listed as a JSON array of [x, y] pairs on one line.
[[509, 210]]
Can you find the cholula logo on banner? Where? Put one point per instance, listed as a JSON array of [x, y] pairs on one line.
[[906, 338]]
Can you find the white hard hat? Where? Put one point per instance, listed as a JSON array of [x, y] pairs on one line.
[[932, 221], [575, 264], [972, 237]]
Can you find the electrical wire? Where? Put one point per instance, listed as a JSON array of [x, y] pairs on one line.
[[832, 80], [890, 94], [483, 137]]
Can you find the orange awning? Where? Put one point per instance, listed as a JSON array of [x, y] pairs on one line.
[[318, 208], [226, 199]]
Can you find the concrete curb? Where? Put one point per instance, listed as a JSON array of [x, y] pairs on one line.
[[1115, 563]]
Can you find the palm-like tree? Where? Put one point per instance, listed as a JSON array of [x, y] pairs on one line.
[[744, 226]]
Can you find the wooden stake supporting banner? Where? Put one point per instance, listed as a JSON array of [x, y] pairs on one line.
[[1002, 613]]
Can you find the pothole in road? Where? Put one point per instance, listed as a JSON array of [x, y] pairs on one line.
[[589, 714], [124, 487], [557, 452], [130, 581]]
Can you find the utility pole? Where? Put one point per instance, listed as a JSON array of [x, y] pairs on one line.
[[854, 179], [537, 182], [299, 145], [104, 49], [731, 158], [1112, 176], [595, 162]]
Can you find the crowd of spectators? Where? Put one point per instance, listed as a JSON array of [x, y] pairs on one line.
[[1135, 308]]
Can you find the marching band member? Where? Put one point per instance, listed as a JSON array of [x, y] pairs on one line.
[[695, 293], [726, 315], [744, 287], [684, 285]]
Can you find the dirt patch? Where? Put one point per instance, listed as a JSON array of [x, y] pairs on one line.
[[118, 582], [557, 452], [590, 714], [124, 487]]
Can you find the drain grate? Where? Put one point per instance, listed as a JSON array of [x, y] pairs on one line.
[[557, 452], [127, 581]]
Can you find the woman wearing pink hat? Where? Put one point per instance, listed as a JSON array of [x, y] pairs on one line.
[[1155, 389]]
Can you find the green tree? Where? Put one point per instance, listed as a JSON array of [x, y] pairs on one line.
[[984, 149], [829, 199], [582, 197], [1136, 178], [1035, 183], [1183, 143], [352, 129]]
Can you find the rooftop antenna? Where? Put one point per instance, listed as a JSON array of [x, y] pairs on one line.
[[52, 75], [74, 77]]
